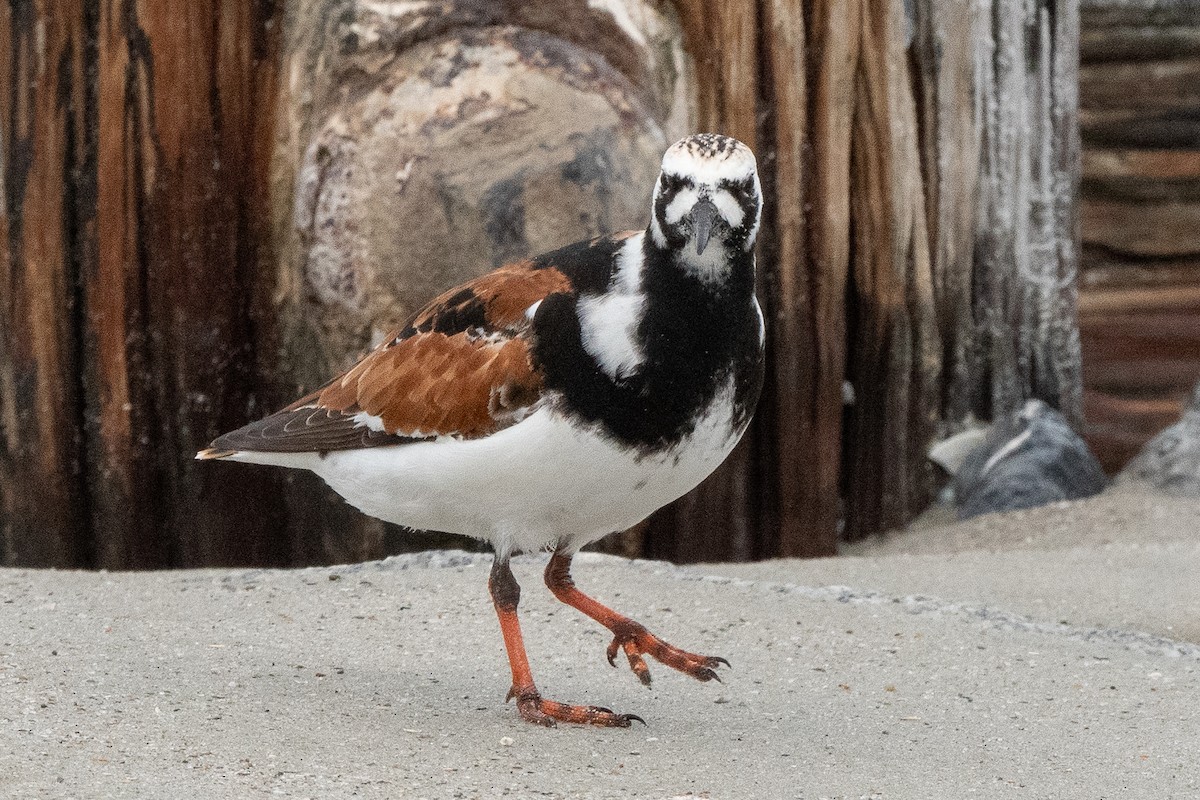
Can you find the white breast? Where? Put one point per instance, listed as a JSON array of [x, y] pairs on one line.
[[608, 324], [545, 481]]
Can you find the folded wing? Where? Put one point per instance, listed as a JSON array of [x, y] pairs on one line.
[[461, 368]]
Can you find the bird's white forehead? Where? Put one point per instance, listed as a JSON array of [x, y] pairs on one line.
[[710, 158]]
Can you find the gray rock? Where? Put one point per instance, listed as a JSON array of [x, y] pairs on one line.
[[1171, 461], [1028, 458]]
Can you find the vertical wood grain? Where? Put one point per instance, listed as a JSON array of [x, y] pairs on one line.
[[796, 490], [47, 228], [1026, 341], [895, 354], [186, 97], [833, 47], [919, 239], [950, 46]]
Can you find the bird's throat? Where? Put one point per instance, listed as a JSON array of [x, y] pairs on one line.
[[712, 266]]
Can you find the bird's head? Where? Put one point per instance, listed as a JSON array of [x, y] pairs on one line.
[[707, 202]]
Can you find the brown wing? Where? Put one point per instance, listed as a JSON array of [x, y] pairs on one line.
[[432, 384], [461, 367]]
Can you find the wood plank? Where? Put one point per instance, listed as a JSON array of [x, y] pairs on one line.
[[1098, 305], [1148, 86], [1162, 165], [1176, 128], [1141, 178], [1118, 427], [1142, 40], [1141, 359], [1165, 229], [1111, 14]]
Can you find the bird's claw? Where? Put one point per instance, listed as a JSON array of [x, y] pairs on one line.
[[637, 642], [548, 713]]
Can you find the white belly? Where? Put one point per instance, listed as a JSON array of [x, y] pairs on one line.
[[539, 483]]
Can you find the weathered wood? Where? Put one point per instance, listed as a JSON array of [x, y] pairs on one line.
[[243, 180], [804, 289], [1138, 30], [1120, 112], [804, 101], [811, 515], [947, 39], [912, 263], [46, 179], [185, 93], [1140, 355], [1122, 85], [1162, 229], [1027, 249], [1140, 209], [896, 357]]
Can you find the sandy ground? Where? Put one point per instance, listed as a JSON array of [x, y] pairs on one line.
[[1050, 654], [1127, 559]]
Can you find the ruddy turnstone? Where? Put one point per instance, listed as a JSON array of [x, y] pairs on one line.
[[556, 400]]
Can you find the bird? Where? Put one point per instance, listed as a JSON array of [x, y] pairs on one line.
[[555, 400]]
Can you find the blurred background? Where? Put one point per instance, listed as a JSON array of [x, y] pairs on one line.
[[211, 207]]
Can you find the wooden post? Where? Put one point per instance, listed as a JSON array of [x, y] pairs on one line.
[[1026, 336], [134, 178], [47, 178], [227, 200], [185, 94], [946, 218], [895, 357]]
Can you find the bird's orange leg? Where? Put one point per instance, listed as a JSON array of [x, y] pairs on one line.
[[506, 594], [628, 635]]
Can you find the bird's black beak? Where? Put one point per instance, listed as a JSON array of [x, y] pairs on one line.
[[704, 213]]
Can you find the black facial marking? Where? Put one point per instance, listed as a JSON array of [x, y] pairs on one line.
[[742, 190], [669, 187], [747, 198], [670, 184]]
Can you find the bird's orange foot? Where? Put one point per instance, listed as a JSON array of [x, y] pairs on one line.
[[533, 708], [636, 641]]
